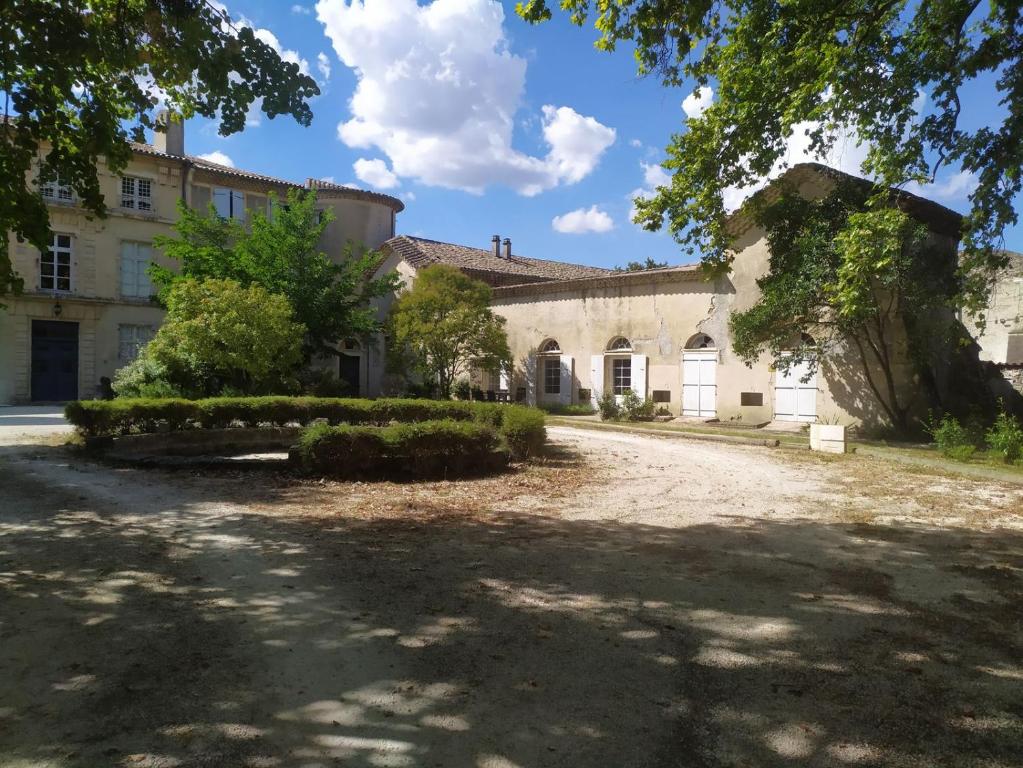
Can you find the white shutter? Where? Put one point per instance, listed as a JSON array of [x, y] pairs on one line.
[[565, 394], [639, 375], [505, 380], [596, 378], [222, 202], [145, 258], [531, 382]]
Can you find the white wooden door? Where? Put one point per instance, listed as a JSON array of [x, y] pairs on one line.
[[699, 383], [795, 393]]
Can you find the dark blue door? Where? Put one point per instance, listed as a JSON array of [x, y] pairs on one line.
[[54, 360]]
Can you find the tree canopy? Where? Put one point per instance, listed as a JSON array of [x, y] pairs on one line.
[[872, 283], [281, 252], [864, 66], [218, 336], [640, 266], [443, 328], [83, 77]]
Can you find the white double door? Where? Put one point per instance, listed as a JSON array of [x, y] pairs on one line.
[[795, 393], [699, 383]]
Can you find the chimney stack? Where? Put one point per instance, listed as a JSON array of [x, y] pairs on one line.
[[507, 247], [170, 140], [496, 239]]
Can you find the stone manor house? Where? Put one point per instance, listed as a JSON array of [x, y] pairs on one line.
[[575, 331]]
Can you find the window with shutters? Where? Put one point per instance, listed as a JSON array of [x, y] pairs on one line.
[[621, 375], [229, 203], [135, 260], [131, 339], [55, 191], [136, 193], [55, 265], [552, 376]]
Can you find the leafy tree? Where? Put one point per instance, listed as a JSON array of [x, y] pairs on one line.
[[217, 334], [281, 253], [639, 266], [850, 279], [779, 67], [84, 76], [443, 327]]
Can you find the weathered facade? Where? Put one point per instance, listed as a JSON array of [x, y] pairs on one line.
[[86, 308], [663, 333]]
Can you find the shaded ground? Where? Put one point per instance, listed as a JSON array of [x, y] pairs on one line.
[[636, 602]]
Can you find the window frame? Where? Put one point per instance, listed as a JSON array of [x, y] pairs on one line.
[[133, 200], [551, 383], [621, 375], [51, 257], [55, 192], [138, 246], [136, 342], [236, 212]]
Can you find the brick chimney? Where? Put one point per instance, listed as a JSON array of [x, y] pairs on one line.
[[496, 240], [170, 140], [507, 247]]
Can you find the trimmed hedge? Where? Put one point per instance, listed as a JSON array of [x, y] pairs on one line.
[[521, 428], [424, 449]]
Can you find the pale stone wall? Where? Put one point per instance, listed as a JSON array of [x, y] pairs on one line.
[[1002, 338]]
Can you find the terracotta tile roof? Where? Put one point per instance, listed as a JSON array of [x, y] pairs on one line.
[[685, 272], [484, 265], [324, 189]]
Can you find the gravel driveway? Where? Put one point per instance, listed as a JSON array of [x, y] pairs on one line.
[[635, 602]]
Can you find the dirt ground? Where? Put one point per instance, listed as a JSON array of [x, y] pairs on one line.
[[635, 601]]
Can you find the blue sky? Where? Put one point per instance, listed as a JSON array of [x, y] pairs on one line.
[[482, 124]]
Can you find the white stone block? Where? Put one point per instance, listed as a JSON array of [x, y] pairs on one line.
[[829, 438]]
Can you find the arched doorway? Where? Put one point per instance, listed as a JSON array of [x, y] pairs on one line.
[[350, 367], [795, 387], [699, 377], [551, 385]]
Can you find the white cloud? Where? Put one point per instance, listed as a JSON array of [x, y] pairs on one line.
[[583, 220], [217, 157], [323, 64], [375, 173], [957, 187], [301, 10], [410, 196], [697, 102], [846, 154], [437, 93], [653, 176], [636, 143], [328, 179]]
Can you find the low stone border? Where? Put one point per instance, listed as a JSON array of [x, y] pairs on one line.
[[195, 443]]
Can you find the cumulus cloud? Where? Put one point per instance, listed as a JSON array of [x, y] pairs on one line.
[[582, 220], [654, 176], [217, 157], [437, 93], [954, 188], [323, 64], [697, 102], [847, 154], [375, 173]]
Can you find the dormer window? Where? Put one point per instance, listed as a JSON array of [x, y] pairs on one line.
[[55, 191], [136, 193]]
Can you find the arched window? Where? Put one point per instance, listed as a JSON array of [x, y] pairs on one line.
[[701, 341], [619, 344], [550, 347]]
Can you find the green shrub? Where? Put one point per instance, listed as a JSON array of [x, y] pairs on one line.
[[580, 409], [636, 409], [608, 407], [429, 448], [1006, 438], [953, 439], [523, 430], [519, 427], [462, 389]]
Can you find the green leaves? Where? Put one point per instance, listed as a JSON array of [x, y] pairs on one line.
[[83, 77], [444, 327], [281, 253], [862, 65]]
